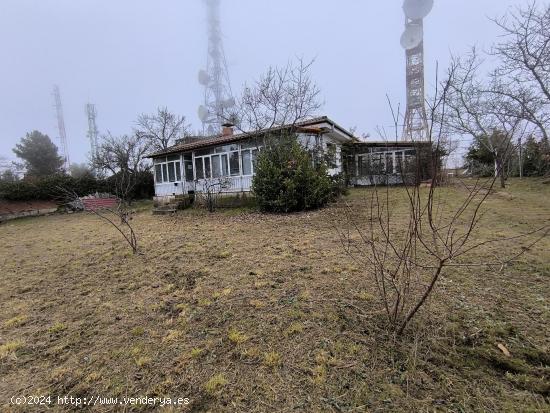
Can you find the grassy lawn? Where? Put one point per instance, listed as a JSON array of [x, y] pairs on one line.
[[244, 312]]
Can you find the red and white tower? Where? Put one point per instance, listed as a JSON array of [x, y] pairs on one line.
[[416, 122]]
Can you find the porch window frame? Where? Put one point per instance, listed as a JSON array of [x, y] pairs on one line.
[[163, 163]]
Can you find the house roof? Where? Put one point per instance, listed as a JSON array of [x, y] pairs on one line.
[[389, 143], [306, 126]]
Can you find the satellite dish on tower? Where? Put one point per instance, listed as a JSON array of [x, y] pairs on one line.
[[203, 113], [228, 103], [412, 37], [417, 9], [204, 78]]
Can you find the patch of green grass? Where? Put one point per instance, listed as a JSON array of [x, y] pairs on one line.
[[222, 254], [215, 384], [223, 293], [138, 331], [236, 337], [197, 352], [57, 328], [9, 348], [16, 321], [172, 335], [272, 359], [143, 361], [293, 329]]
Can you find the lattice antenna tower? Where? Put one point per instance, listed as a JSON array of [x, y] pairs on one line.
[[218, 97], [416, 122], [64, 147], [93, 132]]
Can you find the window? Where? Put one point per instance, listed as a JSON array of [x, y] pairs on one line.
[[251, 144], [188, 165], [204, 152], [199, 170], [331, 155], [389, 163], [399, 162], [247, 162], [226, 148], [158, 173], [377, 164], [207, 167], [234, 168], [216, 166], [171, 172], [225, 161], [225, 171], [167, 169], [363, 165]]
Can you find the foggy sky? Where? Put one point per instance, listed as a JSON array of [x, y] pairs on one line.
[[131, 56]]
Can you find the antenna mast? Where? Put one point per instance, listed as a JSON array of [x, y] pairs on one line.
[[218, 98], [92, 129], [416, 121], [61, 129]]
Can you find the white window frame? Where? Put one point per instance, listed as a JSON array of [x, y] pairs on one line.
[[164, 171], [227, 154]]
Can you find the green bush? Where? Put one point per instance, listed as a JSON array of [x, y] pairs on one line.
[[287, 180], [49, 187], [339, 185]]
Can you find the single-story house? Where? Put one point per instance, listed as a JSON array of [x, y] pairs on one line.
[[185, 167]]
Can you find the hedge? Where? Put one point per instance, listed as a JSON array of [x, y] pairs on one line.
[[48, 188]]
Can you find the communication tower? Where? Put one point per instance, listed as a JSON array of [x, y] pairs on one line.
[[416, 123], [64, 147], [93, 133], [218, 98]]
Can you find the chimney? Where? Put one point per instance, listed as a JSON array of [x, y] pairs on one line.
[[227, 129]]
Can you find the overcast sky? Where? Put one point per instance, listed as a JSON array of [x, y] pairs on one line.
[[131, 56]]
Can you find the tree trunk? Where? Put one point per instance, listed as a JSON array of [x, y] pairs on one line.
[[500, 172]]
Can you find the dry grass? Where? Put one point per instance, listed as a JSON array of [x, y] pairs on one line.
[[243, 312]]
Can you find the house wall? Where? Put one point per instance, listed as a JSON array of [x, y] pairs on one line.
[[235, 184], [323, 142], [378, 163]]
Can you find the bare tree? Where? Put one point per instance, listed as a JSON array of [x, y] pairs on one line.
[[10, 171], [281, 96], [406, 258], [123, 158], [473, 109], [522, 80], [161, 129]]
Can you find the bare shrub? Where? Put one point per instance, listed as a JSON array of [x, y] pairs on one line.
[[209, 190], [120, 217], [406, 247]]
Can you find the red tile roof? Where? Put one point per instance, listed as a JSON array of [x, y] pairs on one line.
[[225, 139]]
